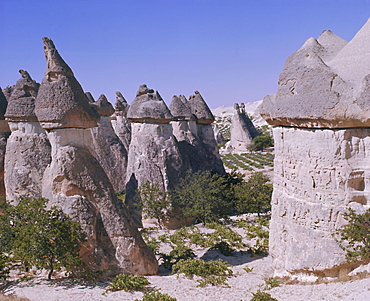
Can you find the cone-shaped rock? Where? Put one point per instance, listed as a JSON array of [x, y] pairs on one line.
[[76, 182], [242, 130], [120, 123], [103, 106], [148, 106], [28, 150], [207, 156], [90, 97], [180, 110], [62, 102], [321, 118], [154, 154], [108, 148], [22, 101], [200, 109]]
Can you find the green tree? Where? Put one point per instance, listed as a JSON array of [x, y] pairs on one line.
[[355, 236], [154, 202], [42, 238], [204, 196], [254, 195], [259, 143]]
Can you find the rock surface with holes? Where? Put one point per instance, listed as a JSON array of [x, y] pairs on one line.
[[321, 118]]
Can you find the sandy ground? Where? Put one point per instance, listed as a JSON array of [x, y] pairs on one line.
[[242, 285]]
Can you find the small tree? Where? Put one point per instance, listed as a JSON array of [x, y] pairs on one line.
[[153, 202], [204, 196], [42, 238], [355, 236], [254, 195]]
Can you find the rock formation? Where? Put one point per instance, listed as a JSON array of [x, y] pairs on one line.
[[90, 97], [204, 120], [4, 134], [107, 147], [28, 150], [120, 123], [76, 182], [242, 130], [154, 154], [321, 118]]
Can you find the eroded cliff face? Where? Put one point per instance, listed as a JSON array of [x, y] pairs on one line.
[[321, 130], [318, 174]]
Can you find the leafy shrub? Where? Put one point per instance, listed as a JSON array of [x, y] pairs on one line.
[[254, 195], [203, 196], [180, 252], [150, 241], [260, 234], [156, 296], [4, 267], [154, 202], [354, 237], [127, 283], [271, 283], [46, 239], [223, 239], [262, 296], [212, 272]]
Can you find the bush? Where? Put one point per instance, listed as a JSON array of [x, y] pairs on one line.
[[354, 237], [254, 195], [46, 239], [154, 202], [204, 196], [127, 283], [259, 232], [4, 267], [262, 296], [212, 272], [156, 296]]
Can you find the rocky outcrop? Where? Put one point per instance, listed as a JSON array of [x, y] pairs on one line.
[[107, 147], [4, 134], [204, 131], [120, 123], [154, 154], [28, 150], [321, 130], [242, 130], [76, 182]]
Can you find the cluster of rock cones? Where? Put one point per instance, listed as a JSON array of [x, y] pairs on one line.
[[57, 142]]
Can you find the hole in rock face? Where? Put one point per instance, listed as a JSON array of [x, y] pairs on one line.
[[359, 199], [356, 180], [52, 76]]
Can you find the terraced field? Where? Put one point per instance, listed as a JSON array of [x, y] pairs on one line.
[[248, 161]]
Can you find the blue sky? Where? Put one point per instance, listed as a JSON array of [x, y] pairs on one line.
[[229, 50]]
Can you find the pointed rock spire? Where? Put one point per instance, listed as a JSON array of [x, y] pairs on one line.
[[148, 106], [121, 105], [90, 97], [332, 44], [200, 109], [179, 110], [61, 102], [3, 104], [103, 106], [21, 105]]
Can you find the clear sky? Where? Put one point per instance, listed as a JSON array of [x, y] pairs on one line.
[[229, 50]]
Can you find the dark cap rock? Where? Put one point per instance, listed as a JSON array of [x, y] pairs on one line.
[[90, 97], [3, 104], [200, 109], [180, 110], [21, 104], [121, 105], [61, 101], [148, 106], [103, 106]]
